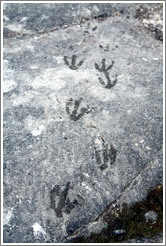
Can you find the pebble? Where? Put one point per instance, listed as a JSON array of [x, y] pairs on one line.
[[151, 216], [121, 231]]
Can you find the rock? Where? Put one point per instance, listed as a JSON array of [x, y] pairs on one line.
[[151, 216], [117, 232], [95, 9], [82, 126], [85, 13], [152, 18], [96, 227]]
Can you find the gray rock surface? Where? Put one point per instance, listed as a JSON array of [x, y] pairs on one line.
[[29, 19], [156, 239], [82, 117]]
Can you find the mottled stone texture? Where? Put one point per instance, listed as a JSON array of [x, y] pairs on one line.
[[82, 115]]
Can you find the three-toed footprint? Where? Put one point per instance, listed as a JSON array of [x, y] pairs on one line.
[[105, 153], [77, 112]]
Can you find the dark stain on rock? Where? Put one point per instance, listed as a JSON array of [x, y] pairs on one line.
[[75, 115], [103, 69], [73, 65], [59, 201], [105, 154]]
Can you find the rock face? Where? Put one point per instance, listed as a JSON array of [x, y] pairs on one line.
[[82, 121]]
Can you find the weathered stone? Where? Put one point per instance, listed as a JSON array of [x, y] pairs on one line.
[[84, 13], [151, 216], [62, 91]]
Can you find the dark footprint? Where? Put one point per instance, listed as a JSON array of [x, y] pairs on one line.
[[105, 153], [59, 201], [73, 65], [109, 84], [75, 115]]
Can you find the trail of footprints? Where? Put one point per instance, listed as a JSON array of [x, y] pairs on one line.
[[105, 153]]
